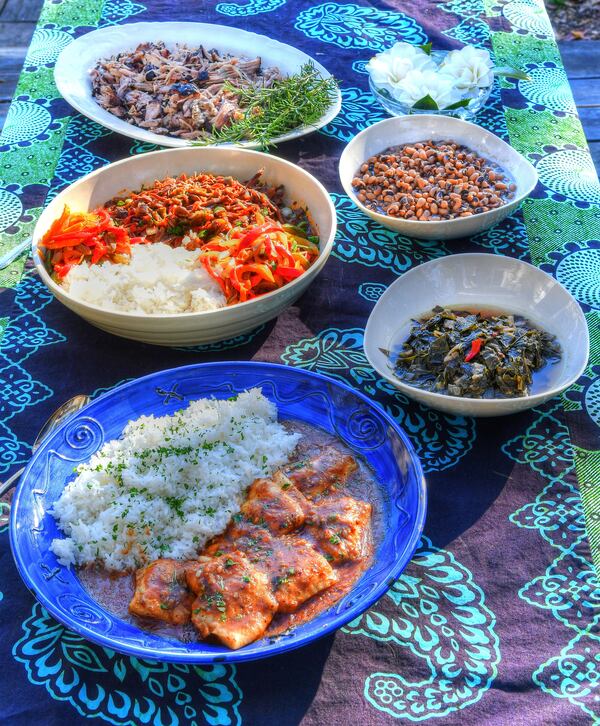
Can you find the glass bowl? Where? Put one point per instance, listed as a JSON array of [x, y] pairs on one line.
[[397, 108]]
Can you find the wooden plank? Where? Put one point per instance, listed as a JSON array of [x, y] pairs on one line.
[[20, 10], [590, 120], [595, 152], [585, 92], [15, 36], [581, 58]]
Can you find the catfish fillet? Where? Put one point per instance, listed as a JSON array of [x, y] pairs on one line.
[[235, 604], [276, 503], [161, 592], [323, 474], [340, 527]]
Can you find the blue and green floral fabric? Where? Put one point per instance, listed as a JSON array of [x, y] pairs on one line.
[[497, 618]]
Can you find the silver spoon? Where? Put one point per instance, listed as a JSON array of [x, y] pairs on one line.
[[12, 255], [62, 413]]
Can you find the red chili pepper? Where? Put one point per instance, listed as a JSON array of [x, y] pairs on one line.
[[475, 348]]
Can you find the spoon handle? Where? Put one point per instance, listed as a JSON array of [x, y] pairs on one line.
[[12, 255], [11, 481]]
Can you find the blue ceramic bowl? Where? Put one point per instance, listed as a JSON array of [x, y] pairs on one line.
[[298, 394]]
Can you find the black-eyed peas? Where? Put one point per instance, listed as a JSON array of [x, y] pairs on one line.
[[431, 180]]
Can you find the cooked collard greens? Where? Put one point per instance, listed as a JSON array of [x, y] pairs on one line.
[[474, 355]]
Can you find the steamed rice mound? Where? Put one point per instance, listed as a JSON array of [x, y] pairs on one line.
[[169, 484], [159, 279]]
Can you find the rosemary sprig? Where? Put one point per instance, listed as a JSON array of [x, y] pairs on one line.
[[298, 100]]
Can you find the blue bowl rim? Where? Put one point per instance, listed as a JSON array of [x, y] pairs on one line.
[[283, 645]]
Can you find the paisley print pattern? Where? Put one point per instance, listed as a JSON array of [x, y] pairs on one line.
[[371, 291], [356, 27], [249, 7], [364, 242], [439, 439], [359, 110], [96, 681], [439, 613], [507, 238]]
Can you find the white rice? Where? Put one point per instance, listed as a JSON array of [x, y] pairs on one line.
[[169, 484], [158, 279]]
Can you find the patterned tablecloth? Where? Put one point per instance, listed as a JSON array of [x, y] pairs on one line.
[[496, 620]]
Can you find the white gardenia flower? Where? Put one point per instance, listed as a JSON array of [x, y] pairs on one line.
[[419, 84], [389, 68], [470, 68]]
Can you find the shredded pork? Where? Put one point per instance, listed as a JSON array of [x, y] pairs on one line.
[[179, 92]]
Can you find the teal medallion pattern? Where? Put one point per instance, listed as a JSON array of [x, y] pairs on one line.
[[46, 46], [353, 26], [440, 440], [548, 87], [529, 17], [585, 395], [439, 613], [470, 31], [24, 335], [361, 241], [576, 267], [569, 590], [569, 173], [96, 681], [574, 674], [359, 110], [250, 7], [545, 446], [235, 342]]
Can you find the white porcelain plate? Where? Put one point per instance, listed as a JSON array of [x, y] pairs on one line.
[[472, 282], [72, 70]]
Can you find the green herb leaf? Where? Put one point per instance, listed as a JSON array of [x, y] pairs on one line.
[[463, 103], [298, 100], [426, 48], [426, 104], [508, 72]]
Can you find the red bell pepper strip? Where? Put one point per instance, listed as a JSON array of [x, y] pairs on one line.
[[475, 348]]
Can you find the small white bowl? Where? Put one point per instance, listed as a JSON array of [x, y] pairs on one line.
[[411, 129], [475, 281], [98, 187]]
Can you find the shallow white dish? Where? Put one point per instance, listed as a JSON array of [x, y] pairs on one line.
[[96, 188], [72, 69], [475, 281], [410, 129]]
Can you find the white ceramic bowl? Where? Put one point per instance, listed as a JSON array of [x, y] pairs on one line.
[[192, 328], [72, 69], [410, 129], [480, 281]]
